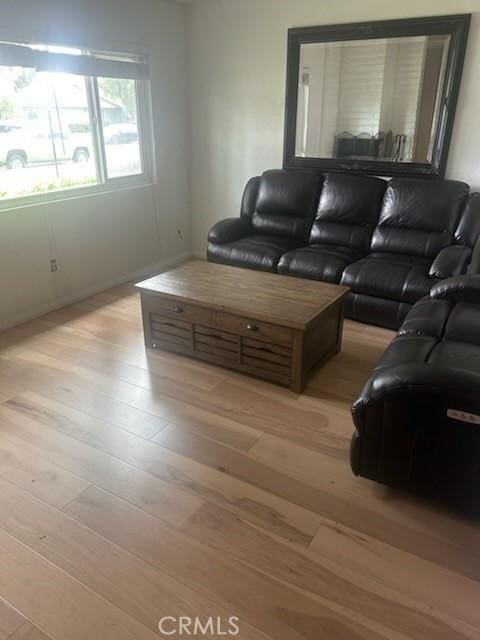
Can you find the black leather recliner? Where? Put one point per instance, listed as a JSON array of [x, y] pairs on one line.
[[388, 241], [418, 417], [341, 233], [276, 215]]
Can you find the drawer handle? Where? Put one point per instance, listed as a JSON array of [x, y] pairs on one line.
[[177, 310], [252, 327]]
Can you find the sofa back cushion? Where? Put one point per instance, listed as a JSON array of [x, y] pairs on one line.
[[468, 230], [419, 217], [348, 211], [249, 199], [286, 203]]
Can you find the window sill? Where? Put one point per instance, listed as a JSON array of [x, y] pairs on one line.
[[64, 195]]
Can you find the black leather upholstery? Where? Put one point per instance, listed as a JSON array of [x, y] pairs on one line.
[[426, 318], [389, 241], [257, 252], [249, 199], [378, 311], [286, 203], [451, 261], [415, 418], [394, 276], [230, 230], [412, 245], [348, 209], [459, 289], [276, 216], [318, 262], [419, 217]]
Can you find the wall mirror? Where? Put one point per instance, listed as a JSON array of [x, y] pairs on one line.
[[375, 98]]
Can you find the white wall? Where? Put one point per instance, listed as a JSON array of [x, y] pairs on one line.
[[237, 69], [104, 239]]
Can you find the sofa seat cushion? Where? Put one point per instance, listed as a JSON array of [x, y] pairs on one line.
[[406, 349], [463, 323], [318, 262], [376, 311], [255, 252], [388, 275], [439, 333], [427, 318], [456, 355]]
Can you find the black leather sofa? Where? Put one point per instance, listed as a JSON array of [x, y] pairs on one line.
[[390, 242], [418, 417]]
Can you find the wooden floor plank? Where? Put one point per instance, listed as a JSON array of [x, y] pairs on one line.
[[228, 400], [286, 613], [10, 620], [439, 536], [162, 482], [57, 603], [395, 609], [176, 367], [124, 580], [136, 367], [71, 420], [94, 466], [39, 476], [60, 387], [6, 394], [455, 546], [138, 410], [29, 632], [368, 558]]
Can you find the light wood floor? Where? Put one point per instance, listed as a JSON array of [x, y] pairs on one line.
[[135, 486]]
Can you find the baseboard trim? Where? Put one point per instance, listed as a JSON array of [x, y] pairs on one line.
[[146, 272]]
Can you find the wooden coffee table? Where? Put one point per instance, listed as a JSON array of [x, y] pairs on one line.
[[263, 324]]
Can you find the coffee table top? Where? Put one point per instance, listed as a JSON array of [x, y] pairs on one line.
[[291, 302]]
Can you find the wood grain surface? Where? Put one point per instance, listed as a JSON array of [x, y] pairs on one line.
[[267, 296]]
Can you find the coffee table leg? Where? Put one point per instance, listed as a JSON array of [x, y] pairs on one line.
[[298, 378], [340, 327], [147, 329]]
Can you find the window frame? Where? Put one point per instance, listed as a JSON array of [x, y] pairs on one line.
[[105, 184]]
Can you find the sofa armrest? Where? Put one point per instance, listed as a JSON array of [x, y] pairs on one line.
[[453, 386], [458, 289], [402, 412], [229, 230], [451, 261]]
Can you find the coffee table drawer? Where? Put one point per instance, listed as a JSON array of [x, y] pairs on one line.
[[254, 329], [184, 312]]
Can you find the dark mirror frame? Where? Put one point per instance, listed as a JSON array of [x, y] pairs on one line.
[[457, 26]]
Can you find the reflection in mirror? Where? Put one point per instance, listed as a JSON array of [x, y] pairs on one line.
[[376, 99]]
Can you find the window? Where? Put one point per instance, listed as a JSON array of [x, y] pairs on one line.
[[71, 119]]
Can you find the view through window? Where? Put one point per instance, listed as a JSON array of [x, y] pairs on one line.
[[120, 130], [61, 130]]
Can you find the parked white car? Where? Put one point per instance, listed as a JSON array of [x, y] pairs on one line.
[[31, 146], [122, 133]]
